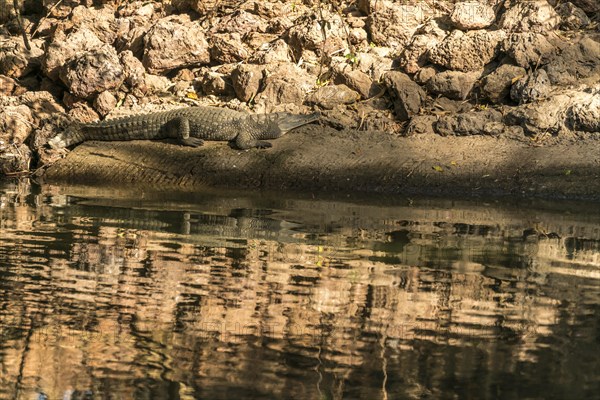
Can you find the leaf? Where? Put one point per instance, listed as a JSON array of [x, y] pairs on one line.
[[438, 168], [568, 172], [192, 95]]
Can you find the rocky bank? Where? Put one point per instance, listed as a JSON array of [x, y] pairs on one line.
[[497, 71]]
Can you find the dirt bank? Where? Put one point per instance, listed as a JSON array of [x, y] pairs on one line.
[[316, 159]]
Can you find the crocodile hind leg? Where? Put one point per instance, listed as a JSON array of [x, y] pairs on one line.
[[179, 128]]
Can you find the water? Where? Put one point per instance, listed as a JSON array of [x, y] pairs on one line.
[[131, 295]]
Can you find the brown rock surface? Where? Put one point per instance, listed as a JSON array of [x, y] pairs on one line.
[[175, 42], [468, 51]]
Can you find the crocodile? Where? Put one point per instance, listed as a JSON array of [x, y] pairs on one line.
[[190, 126]]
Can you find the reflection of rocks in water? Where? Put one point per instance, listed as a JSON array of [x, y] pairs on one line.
[[340, 298]]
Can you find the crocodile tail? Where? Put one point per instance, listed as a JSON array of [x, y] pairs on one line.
[[70, 136]]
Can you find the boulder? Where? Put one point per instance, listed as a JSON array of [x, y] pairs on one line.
[[530, 16], [426, 73], [468, 51], [227, 48], [584, 115], [241, 22], [7, 85], [453, 84], [572, 17], [468, 15], [99, 20], [15, 60], [42, 105], [530, 88], [215, 83], [575, 63], [529, 49], [406, 94], [328, 97], [246, 79], [274, 52], [496, 86], [393, 24], [105, 102], [175, 42], [588, 6], [487, 122], [414, 56], [356, 80], [16, 124], [421, 124], [15, 159], [308, 34], [64, 48], [93, 72], [286, 84]]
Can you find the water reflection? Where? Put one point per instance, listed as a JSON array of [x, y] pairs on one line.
[[106, 294]]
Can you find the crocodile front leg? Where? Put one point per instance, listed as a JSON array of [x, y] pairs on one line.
[[179, 128], [244, 140]]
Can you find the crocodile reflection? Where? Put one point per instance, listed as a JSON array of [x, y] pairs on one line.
[[330, 297]]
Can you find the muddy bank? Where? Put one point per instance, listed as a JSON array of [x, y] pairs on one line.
[[318, 159]]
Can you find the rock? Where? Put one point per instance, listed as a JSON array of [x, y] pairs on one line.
[[572, 17], [15, 60], [156, 83], [468, 51], [392, 24], [421, 124], [373, 65], [246, 79], [496, 86], [274, 52], [328, 97], [240, 22], [590, 7], [530, 16], [7, 85], [227, 48], [214, 83], [585, 115], [550, 116], [487, 122], [83, 113], [406, 94], [529, 49], [415, 54], [15, 159], [93, 72], [175, 42], [531, 88], [357, 80], [308, 34], [42, 105], [100, 20], [133, 71], [16, 124], [286, 84], [425, 74], [64, 48], [453, 84], [132, 40], [356, 36], [105, 102], [472, 15], [575, 63], [63, 9]]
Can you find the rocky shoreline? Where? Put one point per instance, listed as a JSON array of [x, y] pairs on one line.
[[520, 71]]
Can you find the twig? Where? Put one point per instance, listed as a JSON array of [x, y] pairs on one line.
[[20, 21], [44, 18]]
